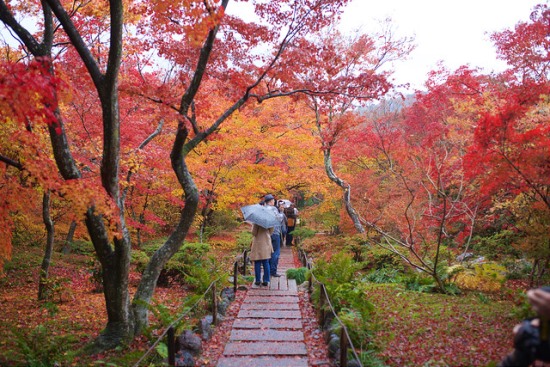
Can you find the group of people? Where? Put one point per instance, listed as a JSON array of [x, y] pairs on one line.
[[266, 242]]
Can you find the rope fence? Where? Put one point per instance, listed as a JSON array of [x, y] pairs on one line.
[[169, 331], [324, 300]]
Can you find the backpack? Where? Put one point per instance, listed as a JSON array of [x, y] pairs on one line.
[[291, 221], [289, 213]]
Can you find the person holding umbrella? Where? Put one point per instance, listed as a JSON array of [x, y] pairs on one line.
[[263, 221], [276, 235], [260, 253]]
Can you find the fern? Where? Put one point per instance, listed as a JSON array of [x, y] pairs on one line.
[[297, 274]]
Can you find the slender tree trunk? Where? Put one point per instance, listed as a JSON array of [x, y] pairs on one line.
[[67, 246], [533, 272], [46, 261], [151, 273], [347, 191]]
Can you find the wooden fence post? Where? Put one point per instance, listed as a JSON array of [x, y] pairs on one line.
[[235, 276], [322, 293], [215, 305], [171, 347], [244, 261], [343, 347]]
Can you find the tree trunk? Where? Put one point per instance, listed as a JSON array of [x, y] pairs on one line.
[[151, 273], [115, 264], [45, 267], [67, 246], [347, 191]]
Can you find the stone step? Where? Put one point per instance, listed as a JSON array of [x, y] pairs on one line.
[[271, 292], [263, 314], [262, 362], [265, 349], [270, 299], [257, 335], [267, 324], [270, 306]]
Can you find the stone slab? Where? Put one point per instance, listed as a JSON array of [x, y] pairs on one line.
[[270, 306], [270, 299], [262, 362], [280, 284], [264, 348], [292, 286], [263, 314], [258, 335], [269, 292], [267, 324]]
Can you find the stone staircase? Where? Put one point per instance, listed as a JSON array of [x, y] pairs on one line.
[[268, 329]]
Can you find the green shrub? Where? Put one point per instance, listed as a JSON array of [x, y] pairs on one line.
[[182, 264], [219, 221], [517, 269], [244, 239], [199, 278], [301, 233], [297, 274], [420, 283], [496, 246], [340, 269], [82, 247], [356, 245], [376, 257], [356, 326], [140, 260], [340, 279], [41, 348], [384, 275]]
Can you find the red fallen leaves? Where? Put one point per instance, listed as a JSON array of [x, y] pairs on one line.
[[213, 348], [314, 338], [415, 329]]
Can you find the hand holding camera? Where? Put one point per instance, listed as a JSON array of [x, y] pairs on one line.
[[531, 339]]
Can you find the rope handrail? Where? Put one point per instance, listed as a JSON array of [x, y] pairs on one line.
[[163, 334], [309, 265]]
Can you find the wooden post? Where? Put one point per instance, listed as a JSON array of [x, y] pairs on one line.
[[244, 262], [343, 347], [322, 293], [215, 305], [171, 347], [235, 276]]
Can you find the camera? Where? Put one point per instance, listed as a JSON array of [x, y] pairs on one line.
[[530, 344]]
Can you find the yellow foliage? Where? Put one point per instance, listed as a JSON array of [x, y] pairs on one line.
[[486, 277]]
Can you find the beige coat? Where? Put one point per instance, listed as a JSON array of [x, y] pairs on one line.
[[261, 243]]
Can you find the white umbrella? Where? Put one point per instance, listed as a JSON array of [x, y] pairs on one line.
[[260, 215], [286, 203]]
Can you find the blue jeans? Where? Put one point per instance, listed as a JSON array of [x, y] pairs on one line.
[[258, 270], [274, 262]]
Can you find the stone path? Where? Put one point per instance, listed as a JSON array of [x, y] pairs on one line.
[[267, 331]]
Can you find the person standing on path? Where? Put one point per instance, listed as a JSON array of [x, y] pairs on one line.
[[291, 214], [260, 253], [275, 236]]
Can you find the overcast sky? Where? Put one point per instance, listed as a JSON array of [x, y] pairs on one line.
[[456, 32]]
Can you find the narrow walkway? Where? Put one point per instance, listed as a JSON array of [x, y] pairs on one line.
[[268, 330]]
